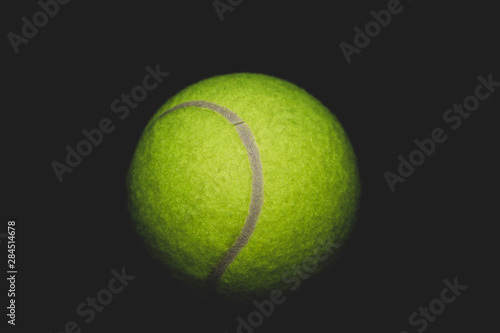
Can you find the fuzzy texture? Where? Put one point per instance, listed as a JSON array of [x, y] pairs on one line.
[[190, 183]]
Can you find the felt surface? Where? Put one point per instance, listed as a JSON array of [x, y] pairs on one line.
[[190, 182]]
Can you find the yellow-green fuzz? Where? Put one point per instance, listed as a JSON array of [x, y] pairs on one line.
[[190, 183]]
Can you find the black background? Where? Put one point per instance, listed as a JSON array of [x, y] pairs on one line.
[[439, 224]]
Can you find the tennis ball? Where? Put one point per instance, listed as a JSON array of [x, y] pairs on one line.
[[239, 180]]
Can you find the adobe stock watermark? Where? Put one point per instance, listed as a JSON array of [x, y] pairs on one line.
[[121, 108], [294, 278], [372, 29], [30, 27], [454, 117], [426, 315], [222, 6], [88, 309]]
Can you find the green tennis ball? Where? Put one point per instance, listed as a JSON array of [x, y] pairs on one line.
[[239, 180]]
